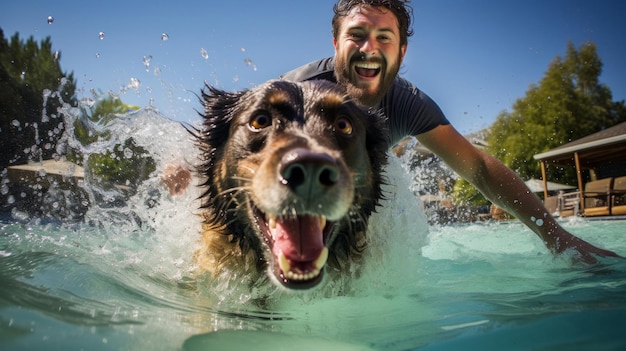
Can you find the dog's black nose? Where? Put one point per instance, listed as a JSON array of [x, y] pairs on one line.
[[308, 173]]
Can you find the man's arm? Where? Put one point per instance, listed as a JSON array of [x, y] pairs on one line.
[[505, 188]]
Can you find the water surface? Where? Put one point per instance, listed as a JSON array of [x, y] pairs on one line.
[[123, 278]]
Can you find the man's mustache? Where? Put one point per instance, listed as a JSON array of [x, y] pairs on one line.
[[366, 57]]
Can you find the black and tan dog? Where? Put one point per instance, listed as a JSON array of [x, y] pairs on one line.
[[293, 172]]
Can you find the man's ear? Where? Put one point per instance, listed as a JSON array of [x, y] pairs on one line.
[[402, 51], [335, 44]]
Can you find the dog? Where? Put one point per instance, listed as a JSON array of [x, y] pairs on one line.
[[292, 174]]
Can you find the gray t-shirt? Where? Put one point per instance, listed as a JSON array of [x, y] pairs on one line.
[[408, 110]]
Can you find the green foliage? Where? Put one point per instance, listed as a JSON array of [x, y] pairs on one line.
[[30, 125], [466, 194], [128, 164], [104, 111], [33, 88], [567, 104]]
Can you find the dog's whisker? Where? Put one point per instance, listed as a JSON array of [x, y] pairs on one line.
[[243, 179], [233, 190], [250, 169]]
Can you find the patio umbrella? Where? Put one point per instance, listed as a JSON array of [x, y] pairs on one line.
[[536, 186]]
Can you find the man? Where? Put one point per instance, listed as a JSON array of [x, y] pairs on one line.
[[370, 39]]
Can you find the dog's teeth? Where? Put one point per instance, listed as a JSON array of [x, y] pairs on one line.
[[321, 260], [283, 263], [285, 267], [272, 222], [272, 226], [322, 222], [303, 276]]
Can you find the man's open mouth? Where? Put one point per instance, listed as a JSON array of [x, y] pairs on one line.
[[367, 69], [298, 245]]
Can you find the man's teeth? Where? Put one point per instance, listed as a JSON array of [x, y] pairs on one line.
[[284, 265], [367, 65]]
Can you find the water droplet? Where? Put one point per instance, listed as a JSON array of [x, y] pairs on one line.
[[50, 19], [146, 62], [165, 37], [57, 55], [101, 35], [97, 55], [134, 83], [539, 222], [249, 62], [243, 49], [205, 55]]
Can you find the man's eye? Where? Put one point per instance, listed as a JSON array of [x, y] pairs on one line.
[[260, 121], [343, 125], [355, 36]]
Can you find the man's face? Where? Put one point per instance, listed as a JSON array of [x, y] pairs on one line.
[[368, 53]]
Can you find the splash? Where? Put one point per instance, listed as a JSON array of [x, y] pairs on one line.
[[158, 230]]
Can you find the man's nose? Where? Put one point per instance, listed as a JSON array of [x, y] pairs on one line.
[[368, 46]]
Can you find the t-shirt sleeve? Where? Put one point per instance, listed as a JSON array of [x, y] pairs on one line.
[[320, 69], [410, 111]]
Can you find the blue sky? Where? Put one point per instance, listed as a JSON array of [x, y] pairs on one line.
[[474, 58]]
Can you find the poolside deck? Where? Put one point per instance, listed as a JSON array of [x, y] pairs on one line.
[[46, 173]]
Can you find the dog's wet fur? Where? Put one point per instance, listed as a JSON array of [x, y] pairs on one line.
[[293, 172]]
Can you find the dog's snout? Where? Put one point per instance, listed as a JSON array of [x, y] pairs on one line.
[[308, 173]]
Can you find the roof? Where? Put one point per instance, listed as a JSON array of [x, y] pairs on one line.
[[594, 149]]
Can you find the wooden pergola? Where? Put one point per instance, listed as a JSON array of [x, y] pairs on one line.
[[591, 152]]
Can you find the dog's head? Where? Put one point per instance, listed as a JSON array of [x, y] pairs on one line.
[[293, 172]]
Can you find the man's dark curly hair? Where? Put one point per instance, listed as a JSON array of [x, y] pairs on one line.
[[400, 8]]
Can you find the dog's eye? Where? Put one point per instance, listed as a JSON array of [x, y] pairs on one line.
[[343, 126], [260, 121]]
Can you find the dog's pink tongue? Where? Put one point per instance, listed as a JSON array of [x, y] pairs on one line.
[[300, 239]]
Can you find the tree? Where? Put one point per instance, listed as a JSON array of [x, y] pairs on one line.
[[568, 103], [32, 89], [122, 164]]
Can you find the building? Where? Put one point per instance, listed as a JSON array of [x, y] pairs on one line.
[[602, 157]]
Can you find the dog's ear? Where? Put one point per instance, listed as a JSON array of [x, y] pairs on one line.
[[220, 108], [219, 111]]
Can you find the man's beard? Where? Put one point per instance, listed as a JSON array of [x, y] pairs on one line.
[[343, 72]]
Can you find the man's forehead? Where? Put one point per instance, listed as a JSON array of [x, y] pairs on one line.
[[367, 15]]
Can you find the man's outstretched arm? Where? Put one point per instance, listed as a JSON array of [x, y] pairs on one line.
[[506, 189]]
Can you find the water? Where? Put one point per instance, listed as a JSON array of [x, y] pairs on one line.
[[122, 278]]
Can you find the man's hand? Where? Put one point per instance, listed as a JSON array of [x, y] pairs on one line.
[[583, 251], [176, 179]]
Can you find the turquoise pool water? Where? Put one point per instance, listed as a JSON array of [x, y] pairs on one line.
[[123, 279]]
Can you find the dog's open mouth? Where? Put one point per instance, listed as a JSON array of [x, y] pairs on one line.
[[298, 245]]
